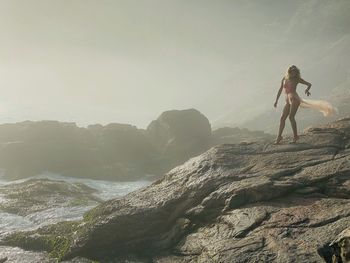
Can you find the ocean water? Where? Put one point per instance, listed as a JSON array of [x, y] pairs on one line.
[[105, 190]]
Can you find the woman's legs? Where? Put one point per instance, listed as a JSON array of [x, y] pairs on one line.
[[295, 102], [284, 116]]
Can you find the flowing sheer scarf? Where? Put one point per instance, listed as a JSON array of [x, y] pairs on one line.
[[323, 106]]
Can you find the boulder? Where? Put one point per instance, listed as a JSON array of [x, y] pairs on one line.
[[124, 150], [30, 148], [180, 134]]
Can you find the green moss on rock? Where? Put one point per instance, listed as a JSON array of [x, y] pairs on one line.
[[60, 247], [56, 239]]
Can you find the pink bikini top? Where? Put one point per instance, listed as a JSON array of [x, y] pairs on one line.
[[288, 87]]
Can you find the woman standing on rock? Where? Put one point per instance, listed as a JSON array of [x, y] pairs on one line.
[[289, 83]]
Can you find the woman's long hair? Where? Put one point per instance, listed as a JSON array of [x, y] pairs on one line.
[[289, 72]]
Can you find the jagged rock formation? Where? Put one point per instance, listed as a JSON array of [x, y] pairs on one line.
[[250, 202]]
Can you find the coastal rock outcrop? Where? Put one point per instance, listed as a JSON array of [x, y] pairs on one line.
[[122, 151], [249, 202], [29, 148], [179, 135], [111, 152], [118, 152]]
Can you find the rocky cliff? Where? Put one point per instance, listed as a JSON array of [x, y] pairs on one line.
[[250, 202]]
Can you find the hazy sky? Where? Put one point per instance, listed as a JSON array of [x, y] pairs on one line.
[[99, 61]]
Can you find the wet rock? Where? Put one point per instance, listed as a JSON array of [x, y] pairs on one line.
[[17, 255], [35, 195], [251, 202]]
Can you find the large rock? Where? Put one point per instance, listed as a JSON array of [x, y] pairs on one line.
[[180, 134], [123, 149], [29, 148], [250, 202], [113, 152]]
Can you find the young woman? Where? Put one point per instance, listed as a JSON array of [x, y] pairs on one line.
[[289, 83]]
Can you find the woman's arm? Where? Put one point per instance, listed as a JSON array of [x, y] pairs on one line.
[[308, 84], [279, 93]]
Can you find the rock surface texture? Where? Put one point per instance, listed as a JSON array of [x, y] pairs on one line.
[[36, 195], [341, 247], [249, 202]]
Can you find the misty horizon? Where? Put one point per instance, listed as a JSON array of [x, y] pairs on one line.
[[127, 62]]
